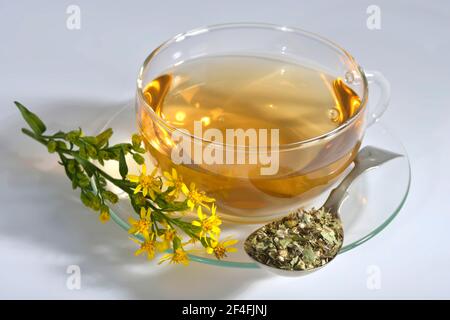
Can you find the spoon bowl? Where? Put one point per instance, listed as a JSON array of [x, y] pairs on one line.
[[368, 158]]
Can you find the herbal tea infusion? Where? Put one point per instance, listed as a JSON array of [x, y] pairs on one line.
[[253, 93]]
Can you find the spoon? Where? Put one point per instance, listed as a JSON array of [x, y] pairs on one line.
[[367, 158]]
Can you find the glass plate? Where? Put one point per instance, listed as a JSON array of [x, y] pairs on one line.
[[374, 199]]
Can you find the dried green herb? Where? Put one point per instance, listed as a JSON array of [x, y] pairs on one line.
[[303, 240]]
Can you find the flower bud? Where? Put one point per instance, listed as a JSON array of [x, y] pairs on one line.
[[62, 145], [104, 214], [73, 135], [71, 166], [95, 205], [136, 139], [110, 196], [51, 146]]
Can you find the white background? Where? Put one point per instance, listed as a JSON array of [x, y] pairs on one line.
[[70, 77]]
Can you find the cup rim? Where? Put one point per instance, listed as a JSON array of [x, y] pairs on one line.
[[255, 25]]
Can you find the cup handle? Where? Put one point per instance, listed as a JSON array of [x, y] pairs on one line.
[[379, 107]]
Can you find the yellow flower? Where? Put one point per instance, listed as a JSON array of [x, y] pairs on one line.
[[174, 181], [209, 225], [167, 237], [148, 184], [104, 216], [147, 246], [220, 249], [142, 225], [178, 256], [195, 197]]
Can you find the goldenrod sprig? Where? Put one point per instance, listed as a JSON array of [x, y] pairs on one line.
[[156, 199]]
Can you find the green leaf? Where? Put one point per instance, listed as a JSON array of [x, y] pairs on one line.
[[206, 242], [91, 151], [138, 158], [329, 235], [74, 182], [173, 206], [309, 255], [83, 180], [90, 140], [67, 168], [101, 182], [88, 167], [71, 166], [139, 149], [85, 199], [29, 133], [123, 168], [62, 145], [103, 138], [59, 135], [33, 120], [82, 152], [103, 155], [126, 147]]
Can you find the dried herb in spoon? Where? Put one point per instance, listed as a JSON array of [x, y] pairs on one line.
[[303, 240]]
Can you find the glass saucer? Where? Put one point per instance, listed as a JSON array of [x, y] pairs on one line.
[[374, 199]]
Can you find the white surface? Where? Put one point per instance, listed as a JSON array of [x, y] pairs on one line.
[[70, 76]]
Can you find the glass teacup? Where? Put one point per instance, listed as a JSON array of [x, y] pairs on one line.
[[297, 104]]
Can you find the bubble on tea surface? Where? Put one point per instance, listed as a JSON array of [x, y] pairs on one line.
[[333, 114], [349, 77]]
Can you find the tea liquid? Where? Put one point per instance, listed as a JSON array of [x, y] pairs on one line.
[[232, 92]]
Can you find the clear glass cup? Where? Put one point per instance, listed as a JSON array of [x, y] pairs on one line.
[[308, 168]]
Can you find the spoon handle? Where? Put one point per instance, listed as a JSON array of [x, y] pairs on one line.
[[368, 158]]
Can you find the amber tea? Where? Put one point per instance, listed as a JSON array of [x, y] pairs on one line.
[[245, 92]]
